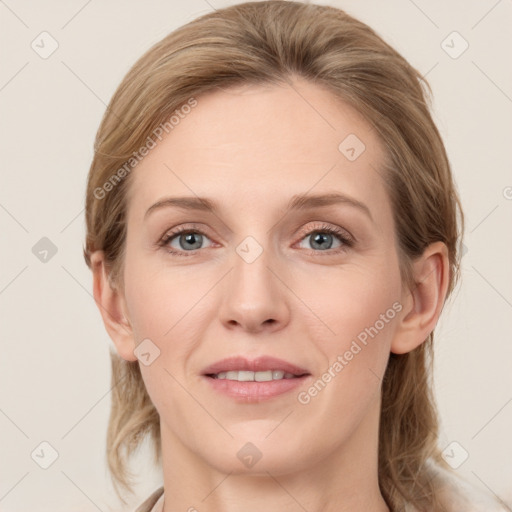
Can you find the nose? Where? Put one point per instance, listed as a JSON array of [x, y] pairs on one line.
[[255, 296]]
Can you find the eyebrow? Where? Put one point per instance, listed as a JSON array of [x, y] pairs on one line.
[[296, 203]]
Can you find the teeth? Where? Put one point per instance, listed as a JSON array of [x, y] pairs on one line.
[[262, 376], [246, 376]]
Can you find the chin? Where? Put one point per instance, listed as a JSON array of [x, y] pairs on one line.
[[254, 454]]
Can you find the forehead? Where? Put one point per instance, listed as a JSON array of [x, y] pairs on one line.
[[251, 144]]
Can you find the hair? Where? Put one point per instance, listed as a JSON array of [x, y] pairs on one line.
[[271, 43]]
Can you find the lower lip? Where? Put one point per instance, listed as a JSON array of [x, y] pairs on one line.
[[252, 391]]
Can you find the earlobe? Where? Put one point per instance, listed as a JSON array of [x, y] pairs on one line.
[[424, 302], [112, 307]]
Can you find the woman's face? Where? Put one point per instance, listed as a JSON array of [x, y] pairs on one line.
[[259, 277]]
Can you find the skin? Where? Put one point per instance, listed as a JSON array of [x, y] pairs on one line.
[[296, 301]]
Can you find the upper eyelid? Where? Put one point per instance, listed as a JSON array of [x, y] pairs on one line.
[[193, 227]]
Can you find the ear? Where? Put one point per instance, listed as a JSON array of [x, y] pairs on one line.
[[423, 304], [112, 306]]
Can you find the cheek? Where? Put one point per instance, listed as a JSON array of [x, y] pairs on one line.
[[168, 306], [361, 310], [160, 298], [357, 309], [342, 303]]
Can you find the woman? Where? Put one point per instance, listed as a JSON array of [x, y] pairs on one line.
[[273, 231]]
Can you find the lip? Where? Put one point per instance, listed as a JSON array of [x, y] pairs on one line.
[[253, 391], [260, 364]]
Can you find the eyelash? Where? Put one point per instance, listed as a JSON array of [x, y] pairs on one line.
[[343, 237]]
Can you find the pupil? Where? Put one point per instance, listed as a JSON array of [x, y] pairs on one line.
[[190, 238], [320, 239]]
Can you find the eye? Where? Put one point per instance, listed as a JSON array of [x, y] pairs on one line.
[[183, 240], [323, 237]]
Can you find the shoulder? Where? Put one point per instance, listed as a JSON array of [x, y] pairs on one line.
[[149, 505], [456, 494]]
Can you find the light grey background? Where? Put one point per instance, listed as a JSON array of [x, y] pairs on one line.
[[55, 374]]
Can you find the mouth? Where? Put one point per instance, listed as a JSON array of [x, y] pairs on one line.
[[261, 369], [261, 376], [254, 380]]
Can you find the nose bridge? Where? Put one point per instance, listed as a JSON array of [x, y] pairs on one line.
[[252, 262], [254, 297], [252, 279]]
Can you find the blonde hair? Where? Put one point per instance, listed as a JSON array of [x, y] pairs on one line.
[[270, 42]]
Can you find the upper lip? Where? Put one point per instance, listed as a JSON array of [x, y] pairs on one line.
[[260, 364]]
